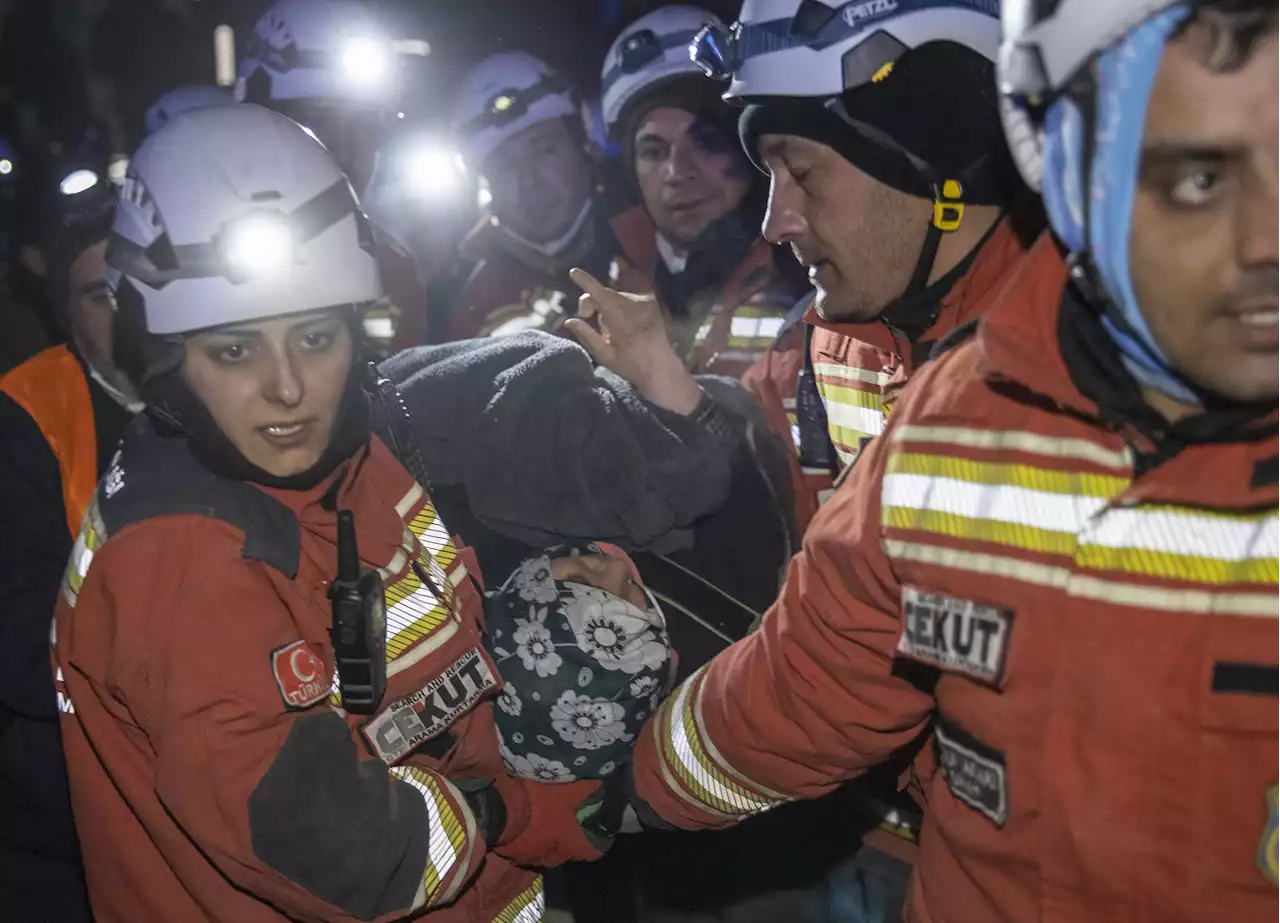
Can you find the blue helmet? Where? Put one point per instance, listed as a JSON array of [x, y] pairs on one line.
[[1066, 70]]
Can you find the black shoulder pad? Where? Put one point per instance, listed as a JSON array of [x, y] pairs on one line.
[[1266, 473], [153, 475], [953, 339]]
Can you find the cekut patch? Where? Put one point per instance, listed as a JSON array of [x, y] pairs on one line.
[[427, 713], [300, 675], [955, 634], [975, 772], [1269, 844]]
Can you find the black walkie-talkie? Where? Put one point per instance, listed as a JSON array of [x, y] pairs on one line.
[[359, 624]]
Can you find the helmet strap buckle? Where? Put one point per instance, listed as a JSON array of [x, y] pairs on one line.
[[948, 205]]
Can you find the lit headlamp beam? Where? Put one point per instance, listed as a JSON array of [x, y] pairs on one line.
[[77, 181], [258, 244], [433, 170], [365, 60]]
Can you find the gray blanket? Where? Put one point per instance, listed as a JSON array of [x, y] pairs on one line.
[[550, 448]]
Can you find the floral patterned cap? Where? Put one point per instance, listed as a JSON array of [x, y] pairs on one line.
[[582, 670]]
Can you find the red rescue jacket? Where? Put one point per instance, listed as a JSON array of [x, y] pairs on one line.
[[214, 774], [1091, 640]]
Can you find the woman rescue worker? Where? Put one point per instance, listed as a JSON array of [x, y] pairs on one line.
[[274, 694]]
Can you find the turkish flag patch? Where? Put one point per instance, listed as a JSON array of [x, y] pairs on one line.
[[300, 675]]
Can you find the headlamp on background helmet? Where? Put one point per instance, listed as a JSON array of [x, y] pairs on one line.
[[714, 49], [78, 181], [433, 170], [507, 105], [365, 61], [6, 166], [639, 49], [257, 244]]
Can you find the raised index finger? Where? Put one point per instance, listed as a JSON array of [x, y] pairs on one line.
[[589, 283]]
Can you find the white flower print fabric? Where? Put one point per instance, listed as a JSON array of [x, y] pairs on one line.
[[586, 670], [509, 701], [534, 644], [616, 634], [588, 722], [534, 767]]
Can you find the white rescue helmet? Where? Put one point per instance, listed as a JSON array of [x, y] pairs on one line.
[[502, 96], [318, 49], [184, 99], [808, 48], [650, 51], [1044, 47], [233, 214]]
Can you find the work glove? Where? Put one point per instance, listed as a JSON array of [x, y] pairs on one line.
[[536, 824]]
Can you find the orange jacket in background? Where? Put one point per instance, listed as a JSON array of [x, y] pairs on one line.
[[1091, 640], [52, 389], [214, 775]]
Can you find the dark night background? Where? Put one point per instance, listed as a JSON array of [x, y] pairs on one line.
[[66, 62]]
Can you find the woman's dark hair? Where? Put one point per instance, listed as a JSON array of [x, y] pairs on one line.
[[64, 250], [139, 354], [1234, 29]]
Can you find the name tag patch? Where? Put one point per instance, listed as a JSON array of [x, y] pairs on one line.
[[975, 772], [429, 712], [955, 634]]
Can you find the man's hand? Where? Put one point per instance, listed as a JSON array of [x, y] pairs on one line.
[[632, 342], [542, 829], [602, 572]]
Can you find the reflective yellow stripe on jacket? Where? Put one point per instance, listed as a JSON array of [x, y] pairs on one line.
[[854, 402], [451, 831], [692, 765], [1043, 507], [528, 907]]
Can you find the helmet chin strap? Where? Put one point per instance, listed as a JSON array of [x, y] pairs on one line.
[[948, 212]]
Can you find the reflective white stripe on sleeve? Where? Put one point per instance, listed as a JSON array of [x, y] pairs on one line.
[[684, 751], [445, 835], [1175, 532], [1018, 441], [1002, 503]]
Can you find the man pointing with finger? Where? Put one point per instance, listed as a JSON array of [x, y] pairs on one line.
[[892, 185], [1031, 564], [647, 359]]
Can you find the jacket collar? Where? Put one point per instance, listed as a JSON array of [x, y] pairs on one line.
[[1022, 342], [1019, 334]]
